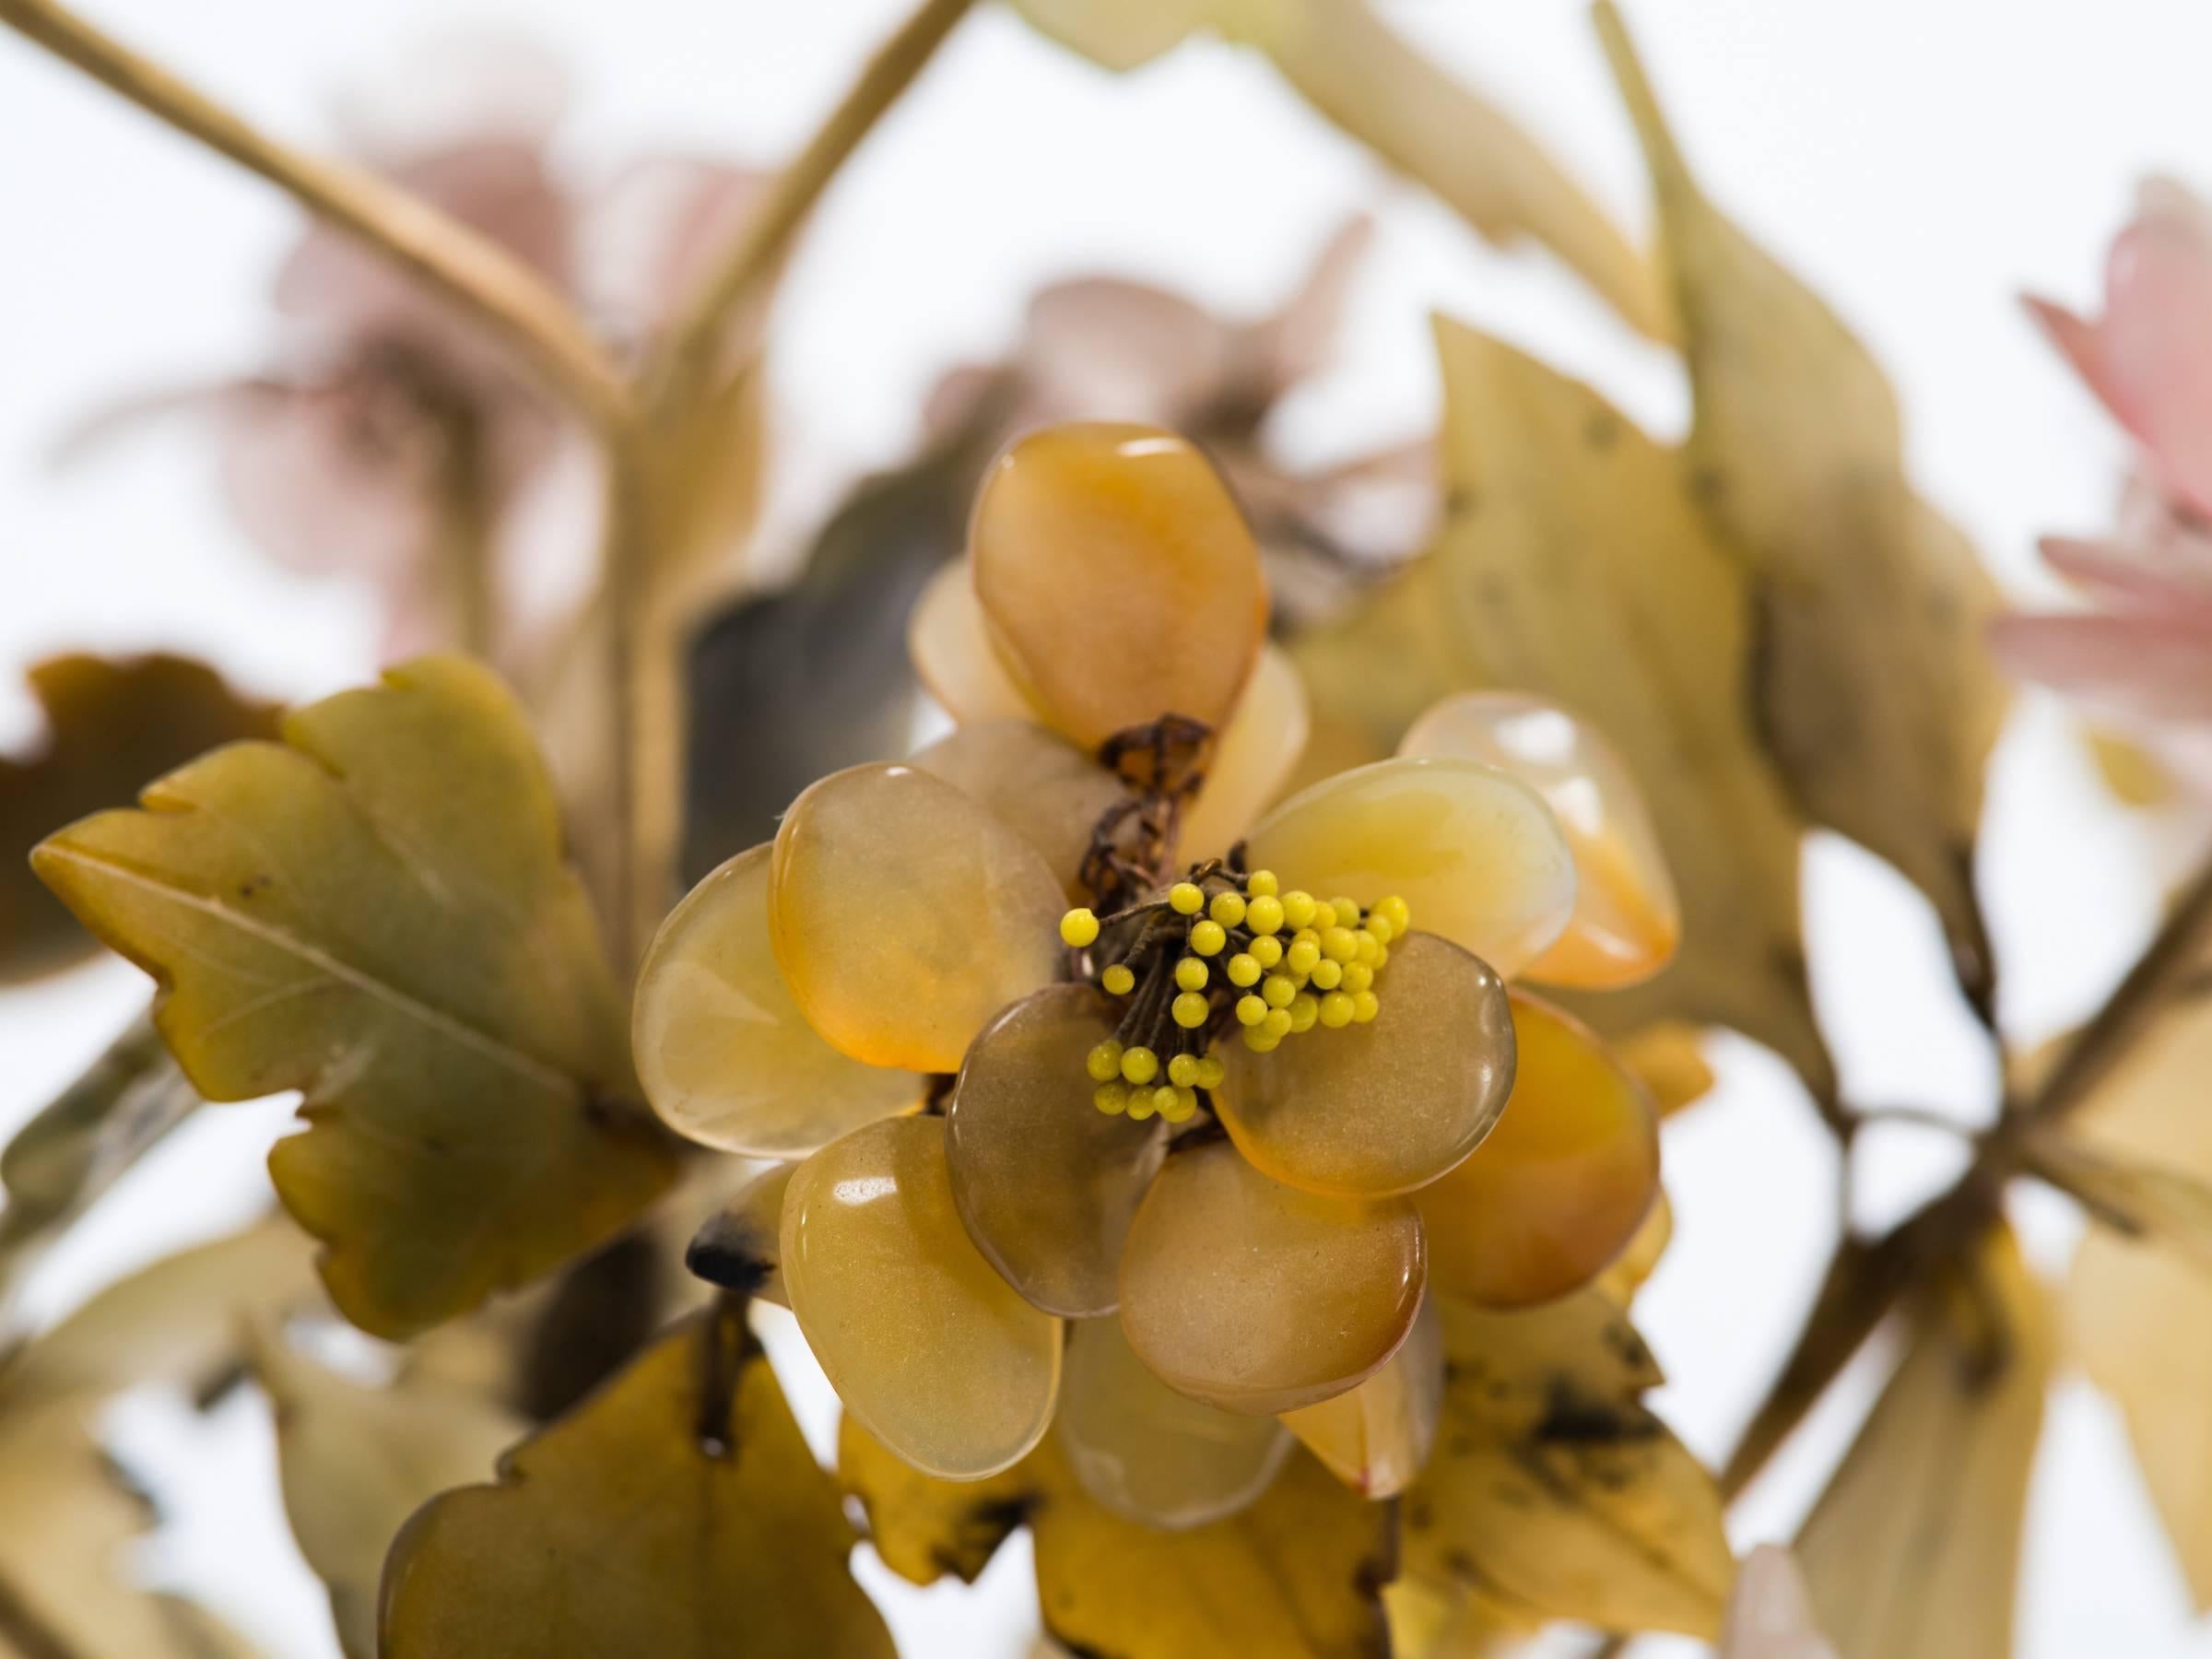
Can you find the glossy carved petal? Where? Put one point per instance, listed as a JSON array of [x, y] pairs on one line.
[[1051, 793], [1118, 579], [725, 1056], [923, 1340], [1627, 918], [1476, 853], [1149, 1453], [1047, 1183], [952, 649], [1386, 1107], [905, 914], [1376, 1437], [1563, 1183], [1254, 756], [1254, 1296]]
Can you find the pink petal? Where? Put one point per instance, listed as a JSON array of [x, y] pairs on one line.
[[2135, 667], [1295, 343], [2156, 341], [1099, 348], [2076, 341], [2130, 577], [654, 229]]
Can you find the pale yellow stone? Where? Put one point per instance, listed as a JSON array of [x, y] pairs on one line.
[[951, 648], [723, 1053], [1370, 1110], [1477, 855], [1149, 1453], [1376, 1437], [1627, 918], [924, 1343], [1256, 1297], [1562, 1184], [1254, 754], [1051, 793], [905, 914], [1117, 579], [1047, 1183]]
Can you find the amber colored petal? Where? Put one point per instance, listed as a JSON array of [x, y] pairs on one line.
[[1253, 757], [1047, 790], [952, 652], [1118, 579], [904, 915]]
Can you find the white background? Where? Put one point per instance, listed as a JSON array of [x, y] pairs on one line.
[[1920, 165]]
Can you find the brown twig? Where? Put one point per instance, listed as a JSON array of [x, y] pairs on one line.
[[471, 271]]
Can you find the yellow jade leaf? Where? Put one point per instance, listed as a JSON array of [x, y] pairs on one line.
[[1117, 578], [1627, 919], [1149, 1453], [1572, 565], [729, 1531], [1376, 1439], [1914, 1547], [1371, 1110], [110, 726], [1553, 1489], [1668, 1058], [921, 1338], [951, 647], [740, 1246], [905, 914], [1560, 1186], [1253, 757], [377, 912], [723, 1053], [1875, 689], [1045, 1181], [1051, 793], [1256, 1297], [1475, 853], [1295, 1575], [356, 1461], [1441, 1620]]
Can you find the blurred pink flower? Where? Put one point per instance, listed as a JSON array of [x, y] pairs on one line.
[[383, 408], [2141, 653]]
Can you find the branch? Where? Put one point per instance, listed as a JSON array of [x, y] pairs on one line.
[[688, 352], [472, 272]]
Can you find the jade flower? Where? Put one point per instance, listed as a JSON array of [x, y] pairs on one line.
[[2140, 651], [1235, 1115]]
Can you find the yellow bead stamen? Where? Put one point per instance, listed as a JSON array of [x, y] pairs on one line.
[[1078, 928]]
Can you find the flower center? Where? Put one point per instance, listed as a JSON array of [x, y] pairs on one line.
[[1223, 949]]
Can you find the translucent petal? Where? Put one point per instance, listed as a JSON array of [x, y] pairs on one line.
[[1149, 1453], [1476, 853], [1627, 919], [1254, 1296], [1376, 1437], [1046, 1182], [952, 649], [922, 1339], [905, 914], [1563, 1183], [1253, 758], [724, 1054], [1117, 578], [1370, 1110], [1050, 791], [740, 1246]]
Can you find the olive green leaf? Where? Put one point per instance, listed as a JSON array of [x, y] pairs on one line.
[[1876, 693], [357, 1461], [73, 1148], [677, 1512], [110, 726], [377, 912], [1553, 1490], [1345, 61], [1572, 564], [1296, 1575], [1914, 1547]]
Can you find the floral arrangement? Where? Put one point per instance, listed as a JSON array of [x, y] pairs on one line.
[[1203, 1107]]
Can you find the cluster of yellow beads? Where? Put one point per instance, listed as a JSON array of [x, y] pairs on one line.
[[1303, 961]]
